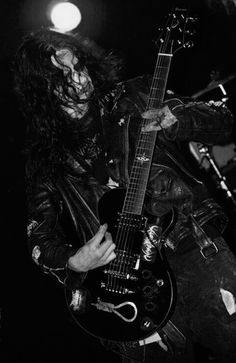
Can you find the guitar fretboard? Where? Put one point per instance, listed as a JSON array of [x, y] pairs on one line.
[[146, 142]]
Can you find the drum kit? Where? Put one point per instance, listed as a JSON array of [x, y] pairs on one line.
[[218, 161]]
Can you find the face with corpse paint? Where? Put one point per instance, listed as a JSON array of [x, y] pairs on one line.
[[81, 83]]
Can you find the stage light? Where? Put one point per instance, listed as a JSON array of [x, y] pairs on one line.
[[65, 16]]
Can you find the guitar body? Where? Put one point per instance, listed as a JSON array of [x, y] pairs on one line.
[[132, 296]]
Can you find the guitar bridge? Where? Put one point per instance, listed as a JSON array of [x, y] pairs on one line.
[[118, 289]]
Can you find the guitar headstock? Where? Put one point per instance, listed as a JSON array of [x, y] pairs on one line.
[[177, 32]]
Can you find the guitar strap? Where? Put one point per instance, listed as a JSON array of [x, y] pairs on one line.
[[207, 247]]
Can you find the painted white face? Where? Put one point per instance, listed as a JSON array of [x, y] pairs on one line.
[[81, 79]]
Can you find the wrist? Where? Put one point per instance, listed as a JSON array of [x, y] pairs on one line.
[[73, 265]]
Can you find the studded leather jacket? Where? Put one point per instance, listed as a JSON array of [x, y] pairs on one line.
[[63, 213]]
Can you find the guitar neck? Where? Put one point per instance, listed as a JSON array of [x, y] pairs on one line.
[[146, 141]]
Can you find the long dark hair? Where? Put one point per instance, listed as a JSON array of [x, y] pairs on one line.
[[49, 128]]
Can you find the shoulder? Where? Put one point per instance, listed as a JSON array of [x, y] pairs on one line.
[[141, 82], [135, 92]]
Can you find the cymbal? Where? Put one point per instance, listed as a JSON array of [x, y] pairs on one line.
[[213, 84]]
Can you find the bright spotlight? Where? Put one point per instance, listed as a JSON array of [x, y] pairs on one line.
[[65, 16]]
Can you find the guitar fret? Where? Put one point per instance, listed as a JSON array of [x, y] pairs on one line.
[[155, 88], [152, 98], [161, 67]]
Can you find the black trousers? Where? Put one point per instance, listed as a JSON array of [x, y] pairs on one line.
[[205, 311]]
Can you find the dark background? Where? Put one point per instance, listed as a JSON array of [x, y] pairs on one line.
[[35, 323]]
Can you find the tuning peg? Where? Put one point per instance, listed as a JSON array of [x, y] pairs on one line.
[[192, 19], [189, 44], [192, 32]]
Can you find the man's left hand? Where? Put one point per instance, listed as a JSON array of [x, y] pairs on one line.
[[160, 119]]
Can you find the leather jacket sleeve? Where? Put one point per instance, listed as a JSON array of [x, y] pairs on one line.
[[48, 245], [208, 123]]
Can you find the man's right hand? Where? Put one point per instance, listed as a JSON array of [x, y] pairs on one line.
[[95, 253]]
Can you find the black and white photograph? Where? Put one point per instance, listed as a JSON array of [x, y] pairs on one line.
[[118, 181]]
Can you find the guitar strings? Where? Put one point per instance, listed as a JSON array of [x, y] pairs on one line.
[[125, 236]]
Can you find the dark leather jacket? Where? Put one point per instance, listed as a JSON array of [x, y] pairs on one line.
[[63, 213]]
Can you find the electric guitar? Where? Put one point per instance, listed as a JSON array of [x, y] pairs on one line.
[[134, 295]]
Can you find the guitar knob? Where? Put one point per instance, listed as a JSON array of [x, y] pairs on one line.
[[150, 306], [148, 290], [147, 274]]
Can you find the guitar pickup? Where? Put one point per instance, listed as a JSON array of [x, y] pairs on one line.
[[132, 220]]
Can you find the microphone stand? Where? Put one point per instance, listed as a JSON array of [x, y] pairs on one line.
[[205, 151], [221, 179]]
